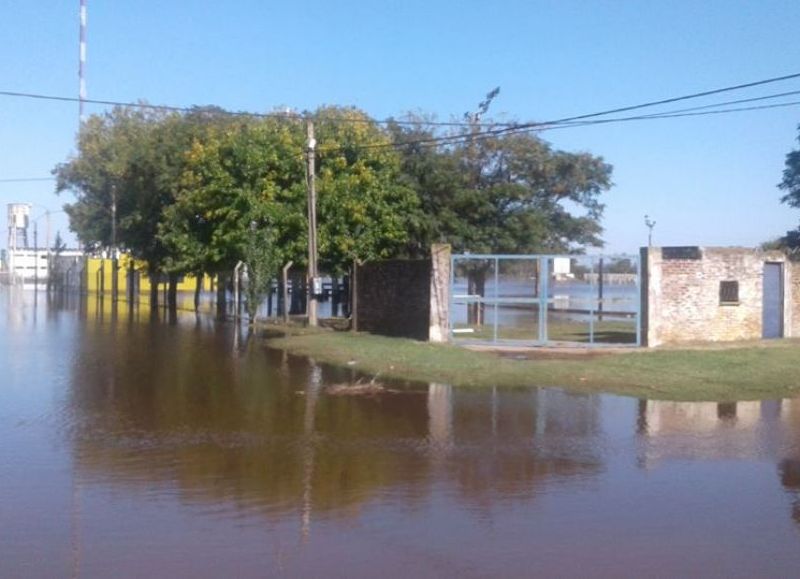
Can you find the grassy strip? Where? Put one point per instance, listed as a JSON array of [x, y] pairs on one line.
[[751, 371], [604, 331]]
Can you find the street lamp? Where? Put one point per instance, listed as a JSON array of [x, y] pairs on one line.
[[650, 224]]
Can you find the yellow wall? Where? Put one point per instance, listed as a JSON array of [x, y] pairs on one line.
[[99, 276]]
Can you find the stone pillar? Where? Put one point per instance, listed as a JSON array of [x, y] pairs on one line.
[[439, 330]]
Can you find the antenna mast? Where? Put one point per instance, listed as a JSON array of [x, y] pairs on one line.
[[82, 62]]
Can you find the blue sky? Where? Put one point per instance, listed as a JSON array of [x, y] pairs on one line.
[[708, 180]]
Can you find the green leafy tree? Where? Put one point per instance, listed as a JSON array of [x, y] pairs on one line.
[[366, 210], [263, 258], [131, 158], [109, 146], [235, 174], [791, 186], [503, 193]]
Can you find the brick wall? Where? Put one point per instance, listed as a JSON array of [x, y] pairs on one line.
[[681, 297], [405, 298]]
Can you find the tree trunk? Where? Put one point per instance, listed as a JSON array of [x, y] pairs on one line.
[[197, 289], [153, 292], [172, 294], [345, 297], [222, 305], [281, 305], [335, 297], [131, 283]]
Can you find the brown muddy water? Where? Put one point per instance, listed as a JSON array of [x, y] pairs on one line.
[[138, 449]]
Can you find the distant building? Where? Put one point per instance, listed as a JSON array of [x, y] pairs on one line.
[[23, 261]]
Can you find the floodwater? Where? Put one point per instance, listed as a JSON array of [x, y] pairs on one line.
[[131, 448]]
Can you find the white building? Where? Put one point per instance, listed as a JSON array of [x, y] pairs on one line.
[[26, 263]]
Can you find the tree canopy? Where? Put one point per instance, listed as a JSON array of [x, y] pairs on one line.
[[791, 187], [196, 192], [504, 194]]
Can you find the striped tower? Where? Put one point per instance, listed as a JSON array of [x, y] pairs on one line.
[[82, 62]]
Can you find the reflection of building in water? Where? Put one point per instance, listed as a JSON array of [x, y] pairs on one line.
[[707, 430], [768, 429], [668, 417]]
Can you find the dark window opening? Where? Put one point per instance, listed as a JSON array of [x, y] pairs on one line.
[[729, 292]]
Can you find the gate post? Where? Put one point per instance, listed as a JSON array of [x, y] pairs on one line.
[[544, 278]]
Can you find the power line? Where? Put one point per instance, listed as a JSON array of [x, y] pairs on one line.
[[553, 125], [497, 129], [547, 126], [550, 126], [535, 126], [507, 126], [739, 101], [681, 98], [289, 115], [666, 115]]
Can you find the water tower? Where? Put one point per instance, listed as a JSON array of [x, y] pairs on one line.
[[18, 221]]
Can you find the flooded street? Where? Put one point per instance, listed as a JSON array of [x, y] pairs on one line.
[[131, 448]]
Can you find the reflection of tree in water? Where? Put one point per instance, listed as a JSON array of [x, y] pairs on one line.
[[184, 409], [789, 470], [159, 406]]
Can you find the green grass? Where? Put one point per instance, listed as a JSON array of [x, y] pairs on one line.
[[750, 371], [604, 332]]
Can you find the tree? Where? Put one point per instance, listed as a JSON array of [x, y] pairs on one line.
[[791, 185], [263, 258], [123, 160], [791, 178], [502, 193], [235, 174], [58, 244], [131, 158], [107, 148], [365, 209]]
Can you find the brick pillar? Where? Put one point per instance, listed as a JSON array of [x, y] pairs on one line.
[[439, 330]]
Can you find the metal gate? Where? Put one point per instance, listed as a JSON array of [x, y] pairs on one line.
[[546, 299]]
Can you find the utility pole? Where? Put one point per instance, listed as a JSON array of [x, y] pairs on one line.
[[650, 224], [312, 225]]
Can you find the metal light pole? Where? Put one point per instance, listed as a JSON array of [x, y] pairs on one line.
[[36, 255], [46, 215], [650, 224], [114, 262], [312, 225]]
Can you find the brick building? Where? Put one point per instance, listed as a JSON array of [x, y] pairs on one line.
[[718, 294]]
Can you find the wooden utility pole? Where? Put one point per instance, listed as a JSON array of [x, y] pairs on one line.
[[312, 225]]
